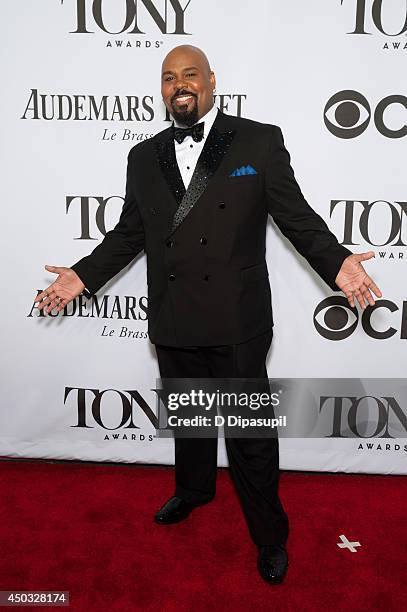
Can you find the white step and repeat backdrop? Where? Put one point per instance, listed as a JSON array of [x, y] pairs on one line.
[[81, 86]]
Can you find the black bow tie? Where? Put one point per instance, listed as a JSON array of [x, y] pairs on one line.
[[196, 131]]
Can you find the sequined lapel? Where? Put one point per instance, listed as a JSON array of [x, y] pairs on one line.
[[165, 150], [216, 145]]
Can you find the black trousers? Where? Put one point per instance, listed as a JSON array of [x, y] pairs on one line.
[[253, 462]]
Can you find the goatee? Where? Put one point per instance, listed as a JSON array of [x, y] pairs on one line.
[[184, 117]]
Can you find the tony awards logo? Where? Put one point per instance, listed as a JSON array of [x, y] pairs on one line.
[[380, 17], [379, 223], [130, 17], [112, 410]]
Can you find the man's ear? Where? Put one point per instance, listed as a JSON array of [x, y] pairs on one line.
[[212, 79]]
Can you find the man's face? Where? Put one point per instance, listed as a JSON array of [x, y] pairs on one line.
[[187, 86]]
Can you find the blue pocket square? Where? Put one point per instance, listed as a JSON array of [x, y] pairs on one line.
[[243, 171]]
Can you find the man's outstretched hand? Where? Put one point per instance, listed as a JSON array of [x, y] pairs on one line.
[[355, 283], [67, 286]]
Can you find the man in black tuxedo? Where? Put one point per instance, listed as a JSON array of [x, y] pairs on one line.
[[198, 196]]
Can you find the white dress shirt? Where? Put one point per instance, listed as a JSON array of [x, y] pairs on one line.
[[188, 151]]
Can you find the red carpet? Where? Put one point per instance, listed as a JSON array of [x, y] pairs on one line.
[[88, 529]]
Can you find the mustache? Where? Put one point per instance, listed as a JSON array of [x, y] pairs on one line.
[[182, 92]]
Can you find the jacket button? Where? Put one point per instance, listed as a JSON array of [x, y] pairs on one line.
[[203, 240], [206, 277], [170, 243], [172, 277], [222, 205]]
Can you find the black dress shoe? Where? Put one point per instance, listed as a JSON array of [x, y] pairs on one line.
[[173, 511], [272, 562]]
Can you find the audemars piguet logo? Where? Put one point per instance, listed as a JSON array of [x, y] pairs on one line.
[[379, 17], [139, 18], [56, 106], [121, 307], [131, 309], [109, 108]]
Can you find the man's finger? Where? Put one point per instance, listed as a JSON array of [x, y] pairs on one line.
[[62, 305], [367, 295], [350, 298], [360, 299], [44, 293], [53, 304], [38, 298], [51, 295], [364, 256], [373, 287], [54, 269]]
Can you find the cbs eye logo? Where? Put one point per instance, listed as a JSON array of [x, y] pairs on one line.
[[347, 114], [334, 319]]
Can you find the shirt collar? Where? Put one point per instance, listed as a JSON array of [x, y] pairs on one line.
[[208, 120]]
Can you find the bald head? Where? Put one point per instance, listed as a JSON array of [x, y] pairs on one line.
[[189, 53], [187, 84]]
